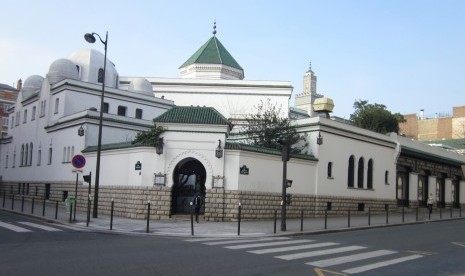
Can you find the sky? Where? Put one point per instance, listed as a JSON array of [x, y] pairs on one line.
[[405, 54]]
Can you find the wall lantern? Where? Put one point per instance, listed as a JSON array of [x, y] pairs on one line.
[[219, 150], [319, 139], [159, 146], [81, 131]]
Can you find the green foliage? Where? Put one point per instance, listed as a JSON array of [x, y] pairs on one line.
[[150, 137], [265, 127], [375, 117]]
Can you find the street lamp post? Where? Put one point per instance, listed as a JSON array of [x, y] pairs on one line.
[[90, 37], [285, 157]]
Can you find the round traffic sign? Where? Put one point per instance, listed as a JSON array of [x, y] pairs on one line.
[[78, 161]]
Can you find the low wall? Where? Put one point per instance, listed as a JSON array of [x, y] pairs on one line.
[[220, 204]]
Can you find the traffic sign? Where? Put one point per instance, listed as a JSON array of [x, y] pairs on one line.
[[78, 161]]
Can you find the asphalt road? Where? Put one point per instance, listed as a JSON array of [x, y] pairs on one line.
[[424, 249]]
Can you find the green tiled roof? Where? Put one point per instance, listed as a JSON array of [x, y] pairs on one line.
[[122, 145], [455, 143], [192, 115], [212, 52], [252, 148]]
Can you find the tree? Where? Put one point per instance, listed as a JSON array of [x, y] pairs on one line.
[[375, 117], [265, 127], [150, 137]]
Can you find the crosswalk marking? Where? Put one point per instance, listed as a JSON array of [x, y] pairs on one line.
[[381, 264], [14, 227], [319, 252], [39, 226], [351, 258], [244, 241], [264, 244], [291, 248], [204, 239]]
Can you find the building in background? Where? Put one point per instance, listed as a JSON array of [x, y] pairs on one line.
[[8, 97]]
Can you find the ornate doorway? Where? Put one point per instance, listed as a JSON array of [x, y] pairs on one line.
[[188, 180]]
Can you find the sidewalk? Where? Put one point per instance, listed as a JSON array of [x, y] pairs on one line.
[[182, 228]]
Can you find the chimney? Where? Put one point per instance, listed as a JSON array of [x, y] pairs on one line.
[[19, 85]]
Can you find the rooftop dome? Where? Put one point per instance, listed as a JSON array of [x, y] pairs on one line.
[[90, 61], [31, 85], [62, 69], [140, 85]]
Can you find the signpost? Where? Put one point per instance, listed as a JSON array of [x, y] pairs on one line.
[[78, 161]]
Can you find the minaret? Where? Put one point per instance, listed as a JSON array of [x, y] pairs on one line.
[[306, 99]]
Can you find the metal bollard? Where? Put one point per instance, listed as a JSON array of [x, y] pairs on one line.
[[239, 221], [148, 217], [71, 213], [192, 219], [440, 212], [75, 206], [275, 218], [348, 218], [22, 204], [326, 219], [12, 202], [301, 220], [403, 215], [88, 211], [43, 208], [56, 210], [416, 214], [111, 214], [32, 205], [3, 204], [387, 215], [369, 216]]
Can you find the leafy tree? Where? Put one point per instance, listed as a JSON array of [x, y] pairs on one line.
[[265, 127], [150, 137], [375, 117]]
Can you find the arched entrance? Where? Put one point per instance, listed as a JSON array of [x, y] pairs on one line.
[[188, 180]]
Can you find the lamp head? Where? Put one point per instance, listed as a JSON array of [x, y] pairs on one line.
[[89, 38]]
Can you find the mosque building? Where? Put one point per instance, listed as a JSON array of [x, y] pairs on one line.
[[57, 117]]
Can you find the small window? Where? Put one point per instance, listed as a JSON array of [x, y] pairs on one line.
[[100, 75], [78, 70], [121, 110], [106, 107], [57, 104], [30, 154], [33, 117], [39, 156], [12, 121], [6, 161], [17, 118], [330, 169], [5, 122], [351, 172], [138, 113], [370, 174], [50, 156], [361, 207], [25, 116], [386, 177], [329, 206]]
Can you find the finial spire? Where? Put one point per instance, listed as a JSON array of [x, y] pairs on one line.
[[310, 66], [214, 27]]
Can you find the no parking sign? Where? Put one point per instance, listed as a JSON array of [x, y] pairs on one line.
[[78, 161]]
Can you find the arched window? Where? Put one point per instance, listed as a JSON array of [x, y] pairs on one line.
[[370, 174], [39, 156], [30, 154], [26, 153], [100, 75], [68, 156], [64, 155], [386, 177], [351, 172], [50, 156], [21, 156], [361, 171], [330, 169]]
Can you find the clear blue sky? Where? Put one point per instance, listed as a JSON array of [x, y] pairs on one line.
[[406, 54]]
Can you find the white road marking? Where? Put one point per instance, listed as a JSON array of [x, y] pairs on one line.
[[244, 241], [14, 227], [264, 244], [39, 226], [351, 258], [291, 248], [381, 264], [206, 239], [319, 252]]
